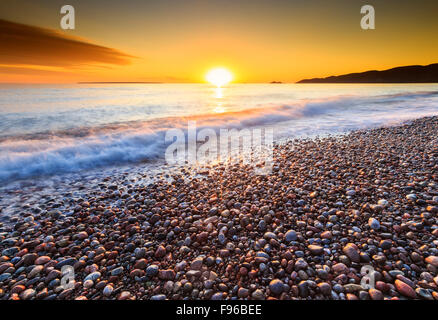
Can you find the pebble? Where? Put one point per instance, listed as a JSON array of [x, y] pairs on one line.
[[433, 260], [197, 263], [35, 271], [258, 295], [385, 244], [93, 276], [325, 288], [375, 294], [352, 252], [42, 260], [28, 294], [340, 268], [243, 293], [108, 290], [160, 252], [315, 250], [276, 286], [152, 270], [405, 289], [166, 274], [117, 271], [291, 235], [125, 295], [424, 293], [374, 224]]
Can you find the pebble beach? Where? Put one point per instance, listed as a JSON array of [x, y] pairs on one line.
[[330, 207]]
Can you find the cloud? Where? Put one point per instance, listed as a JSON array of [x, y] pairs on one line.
[[34, 46], [33, 70]]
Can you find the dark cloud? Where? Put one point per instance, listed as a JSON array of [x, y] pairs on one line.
[[29, 45], [32, 71]]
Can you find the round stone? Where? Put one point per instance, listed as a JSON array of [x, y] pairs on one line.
[[108, 290], [291, 235], [433, 260], [258, 295], [152, 270], [352, 252], [276, 286], [325, 288], [374, 224]]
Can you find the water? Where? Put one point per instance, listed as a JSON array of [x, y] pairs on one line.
[[59, 129]]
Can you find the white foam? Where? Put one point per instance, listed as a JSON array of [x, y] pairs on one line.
[[64, 151]]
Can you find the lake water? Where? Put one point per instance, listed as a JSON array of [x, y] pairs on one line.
[[58, 129]]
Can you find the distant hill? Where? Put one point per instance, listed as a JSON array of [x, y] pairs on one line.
[[408, 74]]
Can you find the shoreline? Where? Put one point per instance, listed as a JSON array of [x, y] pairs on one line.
[[331, 206]]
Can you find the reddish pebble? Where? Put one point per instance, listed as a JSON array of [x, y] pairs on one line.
[[405, 289], [42, 260], [160, 252], [433, 260], [375, 294]]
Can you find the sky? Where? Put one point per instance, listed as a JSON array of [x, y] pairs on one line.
[[180, 40]]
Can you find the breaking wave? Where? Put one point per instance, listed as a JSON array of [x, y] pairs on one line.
[[63, 151]]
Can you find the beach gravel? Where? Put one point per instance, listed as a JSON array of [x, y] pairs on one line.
[[331, 207]]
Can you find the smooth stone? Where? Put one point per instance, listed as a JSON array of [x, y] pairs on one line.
[[243, 293], [197, 263], [42, 260], [270, 235], [325, 288], [28, 294], [301, 264], [117, 271], [385, 244], [290, 236], [66, 262], [352, 252], [141, 264], [93, 276], [316, 250], [276, 286], [340, 268], [424, 293], [405, 289], [433, 260], [375, 294], [160, 252], [374, 224], [29, 258], [217, 296], [258, 295], [351, 287], [303, 289], [108, 290], [5, 276], [152, 270], [166, 274], [88, 284], [35, 271]]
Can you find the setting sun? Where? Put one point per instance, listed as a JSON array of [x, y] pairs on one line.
[[219, 76]]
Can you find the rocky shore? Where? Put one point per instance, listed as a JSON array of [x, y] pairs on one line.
[[331, 206]]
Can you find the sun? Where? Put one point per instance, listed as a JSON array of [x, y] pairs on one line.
[[219, 76]]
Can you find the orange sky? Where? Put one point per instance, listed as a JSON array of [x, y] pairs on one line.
[[179, 41]]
